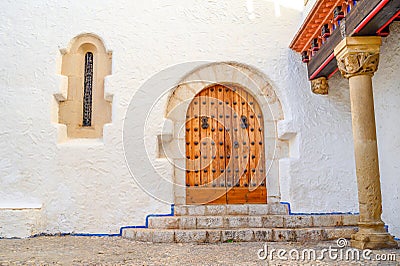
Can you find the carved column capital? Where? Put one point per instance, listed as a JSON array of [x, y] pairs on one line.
[[320, 85], [358, 56], [361, 63]]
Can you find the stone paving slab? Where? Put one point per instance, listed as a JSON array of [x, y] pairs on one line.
[[70, 250], [237, 234], [242, 221], [239, 209]]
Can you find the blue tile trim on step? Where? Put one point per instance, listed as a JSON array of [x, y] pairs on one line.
[[146, 225]]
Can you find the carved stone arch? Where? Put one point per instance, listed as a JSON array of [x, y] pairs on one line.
[[87, 39], [255, 83], [224, 72], [84, 109]]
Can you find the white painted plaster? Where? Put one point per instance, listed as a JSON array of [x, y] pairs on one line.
[[84, 186], [386, 84]]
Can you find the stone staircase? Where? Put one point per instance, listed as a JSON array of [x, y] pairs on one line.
[[227, 223]]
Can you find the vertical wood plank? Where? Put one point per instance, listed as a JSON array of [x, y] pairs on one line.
[[244, 139], [196, 140], [246, 156], [206, 155], [214, 135], [201, 137], [260, 156], [221, 137], [229, 165], [237, 136], [189, 147], [233, 135], [253, 141]]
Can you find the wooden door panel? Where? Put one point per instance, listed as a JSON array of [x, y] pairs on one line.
[[224, 148], [242, 195], [209, 195]]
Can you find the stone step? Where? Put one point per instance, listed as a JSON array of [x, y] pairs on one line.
[[244, 209], [239, 234], [251, 221]]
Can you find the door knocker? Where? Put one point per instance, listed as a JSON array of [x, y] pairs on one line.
[[243, 122], [204, 122]]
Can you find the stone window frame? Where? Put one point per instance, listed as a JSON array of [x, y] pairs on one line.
[[70, 99]]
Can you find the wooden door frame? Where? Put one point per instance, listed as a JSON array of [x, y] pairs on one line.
[[253, 82]]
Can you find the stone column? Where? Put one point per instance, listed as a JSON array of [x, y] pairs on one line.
[[358, 59]]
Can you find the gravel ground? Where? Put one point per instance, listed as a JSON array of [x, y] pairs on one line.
[[74, 250]]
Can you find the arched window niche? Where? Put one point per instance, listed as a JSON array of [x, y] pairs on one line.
[[84, 110]]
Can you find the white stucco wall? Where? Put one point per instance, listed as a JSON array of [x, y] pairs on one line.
[[387, 105], [84, 186]]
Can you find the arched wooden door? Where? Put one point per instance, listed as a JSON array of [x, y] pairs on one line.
[[225, 157]]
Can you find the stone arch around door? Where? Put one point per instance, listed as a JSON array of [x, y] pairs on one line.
[[253, 82]]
